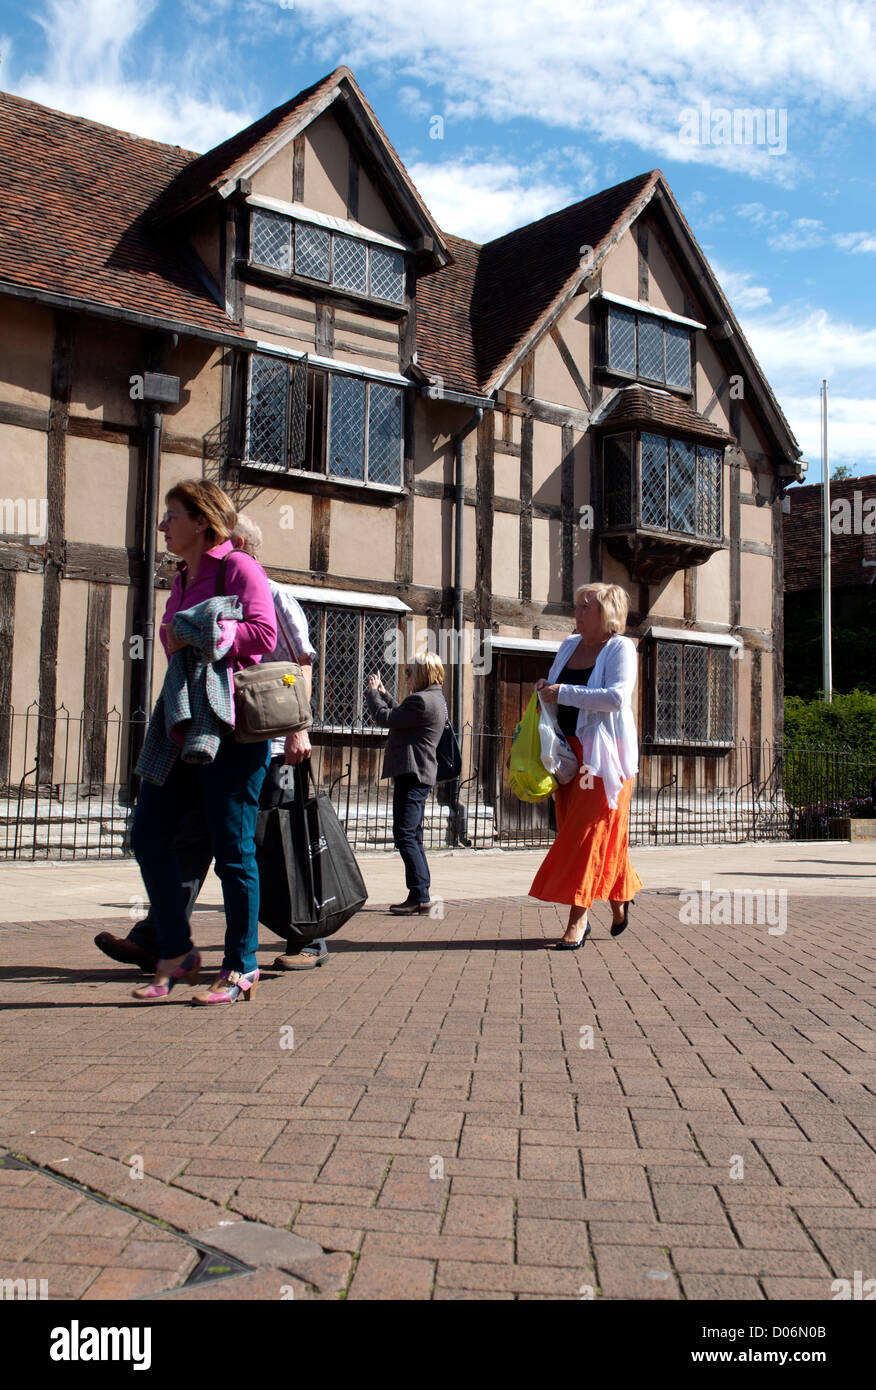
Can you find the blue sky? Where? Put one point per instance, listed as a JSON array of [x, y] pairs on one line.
[[505, 112]]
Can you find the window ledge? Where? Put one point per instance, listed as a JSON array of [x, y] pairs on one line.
[[302, 480], [607, 373], [651, 556]]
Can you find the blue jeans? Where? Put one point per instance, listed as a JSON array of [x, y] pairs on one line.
[[409, 799], [228, 792]]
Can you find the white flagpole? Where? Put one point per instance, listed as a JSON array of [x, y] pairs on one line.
[[827, 663]]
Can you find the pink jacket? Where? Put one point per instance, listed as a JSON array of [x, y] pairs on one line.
[[256, 634]]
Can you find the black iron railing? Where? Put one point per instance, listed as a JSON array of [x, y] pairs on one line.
[[66, 790]]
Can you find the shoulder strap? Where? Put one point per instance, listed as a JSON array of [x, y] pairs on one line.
[[220, 576]]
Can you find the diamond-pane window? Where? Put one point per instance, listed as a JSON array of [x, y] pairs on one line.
[[682, 486], [622, 340], [708, 491], [350, 644], [617, 480], [272, 240], [384, 434], [668, 701], [346, 451], [677, 355], [653, 480], [650, 334], [350, 264], [266, 413], [387, 274], [312, 251], [693, 694]]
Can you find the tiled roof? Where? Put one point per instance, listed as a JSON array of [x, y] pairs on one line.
[[802, 528], [73, 216], [474, 316], [644, 406]]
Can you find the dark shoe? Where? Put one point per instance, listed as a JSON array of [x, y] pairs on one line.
[[125, 952], [409, 909], [308, 958], [572, 945], [618, 927]]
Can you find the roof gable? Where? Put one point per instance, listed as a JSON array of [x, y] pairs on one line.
[[218, 171]]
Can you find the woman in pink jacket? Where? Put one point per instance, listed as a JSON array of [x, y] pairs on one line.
[[197, 526]]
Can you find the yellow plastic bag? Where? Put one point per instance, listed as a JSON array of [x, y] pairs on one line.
[[527, 777]]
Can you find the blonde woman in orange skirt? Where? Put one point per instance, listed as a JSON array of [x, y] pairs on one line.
[[592, 681]]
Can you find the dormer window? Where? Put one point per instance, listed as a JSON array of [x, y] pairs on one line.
[[647, 346], [309, 251]]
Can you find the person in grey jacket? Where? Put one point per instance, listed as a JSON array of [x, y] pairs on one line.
[[415, 728]]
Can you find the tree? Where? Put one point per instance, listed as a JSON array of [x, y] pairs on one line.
[[840, 473]]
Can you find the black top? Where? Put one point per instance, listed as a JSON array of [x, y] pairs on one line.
[[567, 715]]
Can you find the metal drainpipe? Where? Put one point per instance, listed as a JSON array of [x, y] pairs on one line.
[[153, 465], [458, 602]]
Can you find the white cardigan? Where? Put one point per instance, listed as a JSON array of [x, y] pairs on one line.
[[606, 726]]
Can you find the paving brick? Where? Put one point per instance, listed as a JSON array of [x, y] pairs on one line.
[[479, 1216], [720, 1287], [388, 1277]]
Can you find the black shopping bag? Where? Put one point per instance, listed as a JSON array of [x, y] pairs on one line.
[[310, 883], [448, 755]]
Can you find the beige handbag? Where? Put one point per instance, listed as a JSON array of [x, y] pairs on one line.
[[271, 701], [270, 698]]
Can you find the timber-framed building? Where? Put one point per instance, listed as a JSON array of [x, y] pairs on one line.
[[432, 434]]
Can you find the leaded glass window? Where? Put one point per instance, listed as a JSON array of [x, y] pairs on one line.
[[346, 450], [647, 346], [350, 264], [622, 340], [350, 643], [319, 253], [323, 422], [384, 434], [617, 480], [312, 251], [681, 486], [266, 412], [387, 274], [654, 448], [272, 240], [692, 698], [677, 341]]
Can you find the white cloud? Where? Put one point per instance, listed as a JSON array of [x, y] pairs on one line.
[[626, 74], [742, 294], [799, 348], [856, 242], [96, 66], [481, 198]]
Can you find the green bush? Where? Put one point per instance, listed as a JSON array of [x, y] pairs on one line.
[[830, 750]]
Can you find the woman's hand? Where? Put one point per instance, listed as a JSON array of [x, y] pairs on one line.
[[375, 683], [297, 748], [551, 693], [540, 683], [174, 643]]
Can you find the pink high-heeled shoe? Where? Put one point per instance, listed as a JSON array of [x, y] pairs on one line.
[[229, 987], [188, 969]]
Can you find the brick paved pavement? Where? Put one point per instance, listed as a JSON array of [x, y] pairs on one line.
[[443, 1122]]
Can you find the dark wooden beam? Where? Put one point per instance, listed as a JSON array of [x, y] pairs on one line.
[[56, 487], [735, 528], [690, 594], [7, 638], [546, 411], [755, 726], [642, 247], [353, 189], [525, 530], [567, 509], [298, 169], [571, 365], [483, 587], [320, 534], [404, 516], [26, 417]]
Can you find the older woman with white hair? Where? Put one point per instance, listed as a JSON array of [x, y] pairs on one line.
[[592, 681]]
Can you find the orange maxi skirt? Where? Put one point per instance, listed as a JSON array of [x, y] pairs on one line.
[[589, 858]]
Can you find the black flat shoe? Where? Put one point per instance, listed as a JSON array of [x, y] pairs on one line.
[[572, 945], [409, 909], [618, 927]]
